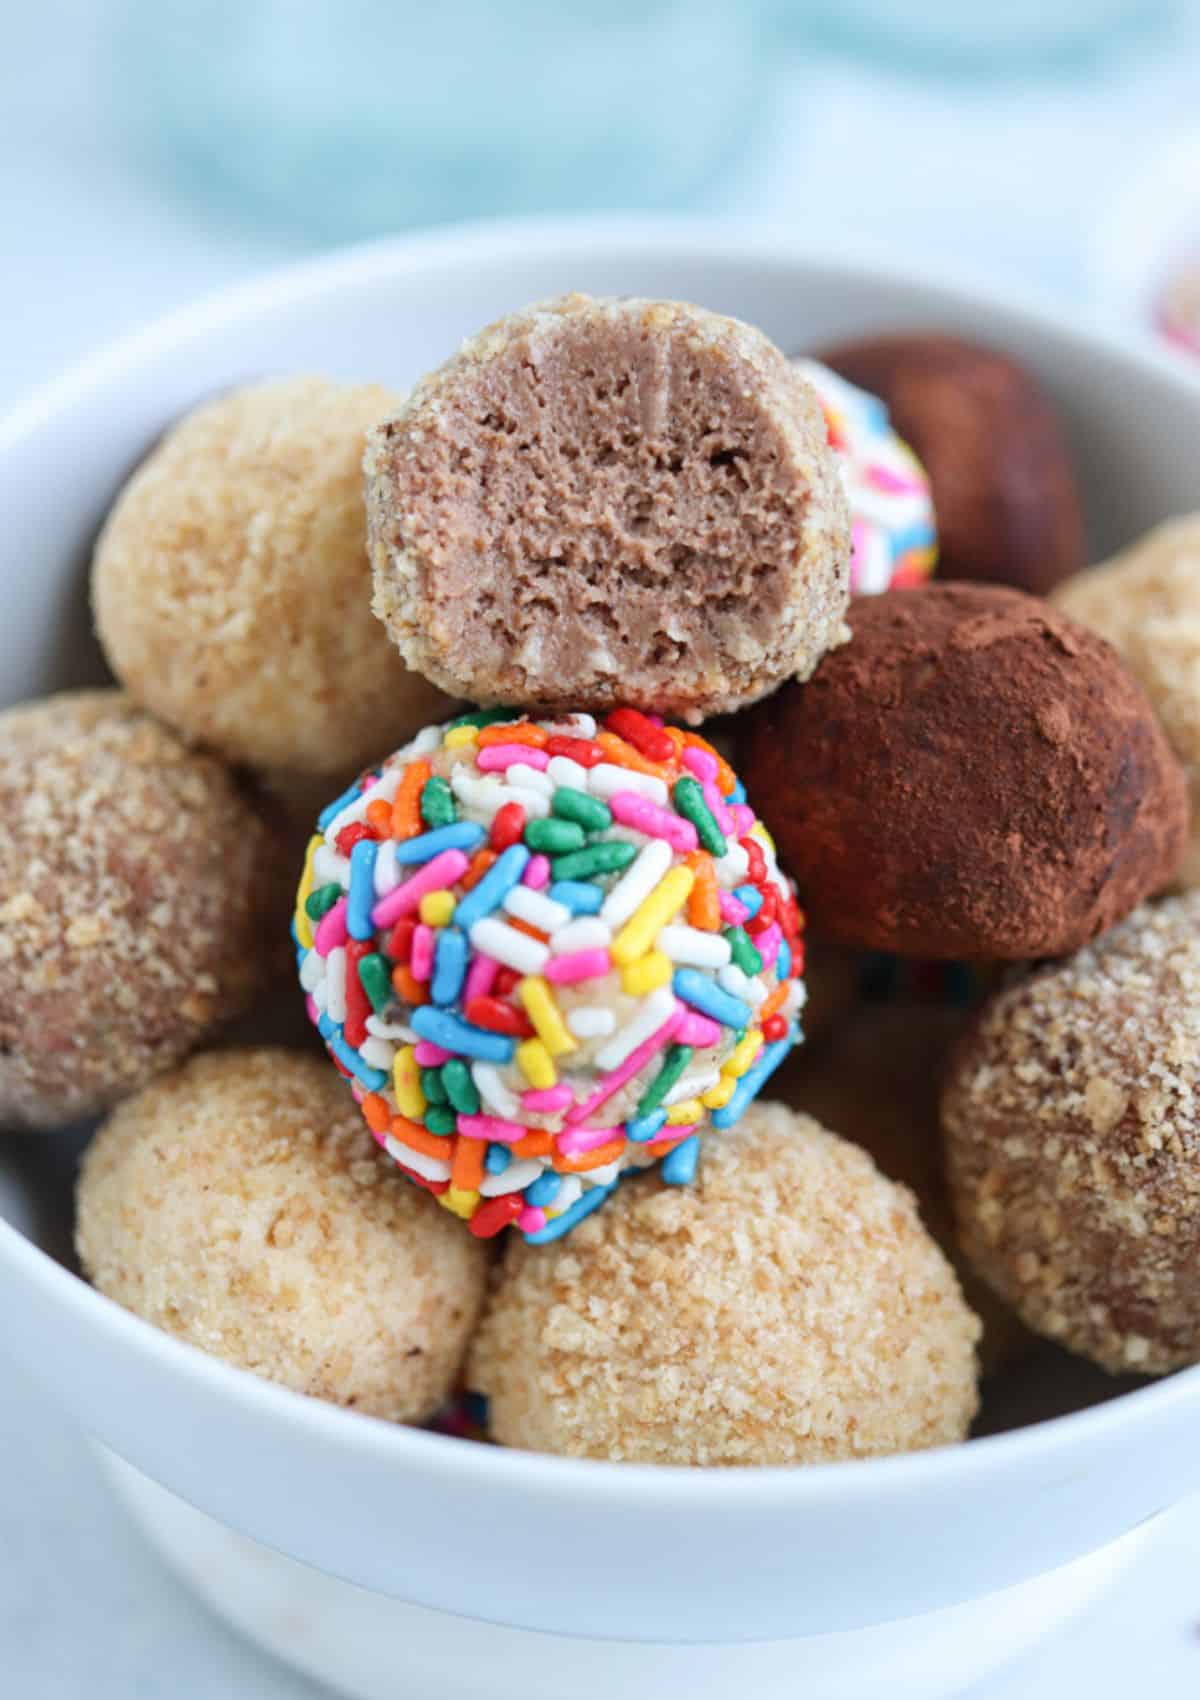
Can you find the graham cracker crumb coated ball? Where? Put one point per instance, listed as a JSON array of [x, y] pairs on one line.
[[787, 1308], [238, 1205], [599, 502], [1072, 1121], [138, 893], [232, 587]]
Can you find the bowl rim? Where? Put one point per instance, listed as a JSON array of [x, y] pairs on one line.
[[780, 1489]]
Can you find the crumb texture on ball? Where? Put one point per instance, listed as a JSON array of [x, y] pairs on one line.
[[232, 588], [238, 1205], [137, 887], [610, 501], [787, 1308], [973, 776], [1073, 1144]]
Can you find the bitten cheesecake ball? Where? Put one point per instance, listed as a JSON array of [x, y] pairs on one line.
[[234, 1205], [546, 952], [788, 1309], [231, 583], [1146, 602], [1072, 1123], [1004, 489], [603, 502], [973, 776], [139, 893]]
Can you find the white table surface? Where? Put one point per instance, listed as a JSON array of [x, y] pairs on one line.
[[1015, 183]]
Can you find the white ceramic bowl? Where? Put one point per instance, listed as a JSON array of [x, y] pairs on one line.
[[821, 1574]]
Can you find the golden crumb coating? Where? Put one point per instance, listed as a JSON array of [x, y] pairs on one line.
[[1072, 1120], [232, 588], [787, 1308], [1146, 602], [240, 1205], [139, 895]]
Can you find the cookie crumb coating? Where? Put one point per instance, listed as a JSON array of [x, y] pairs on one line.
[[1073, 1144], [788, 1308], [597, 502], [238, 1206], [138, 890], [231, 583]]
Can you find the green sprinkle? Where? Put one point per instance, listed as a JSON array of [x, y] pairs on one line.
[[322, 900], [674, 1063], [745, 954], [689, 802], [554, 836], [375, 977], [460, 1088], [588, 812], [437, 803], [440, 1118], [607, 857], [433, 1086], [485, 717]]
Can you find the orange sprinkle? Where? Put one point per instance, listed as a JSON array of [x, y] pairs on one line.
[[624, 755], [663, 1147], [479, 864], [379, 817], [524, 732], [769, 1005], [676, 737], [581, 1161], [376, 1112], [726, 777], [704, 909], [407, 989], [527, 927], [406, 809], [536, 1143], [466, 1169], [419, 1138]]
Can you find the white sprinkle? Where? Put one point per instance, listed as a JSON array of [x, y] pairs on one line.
[[591, 1021], [561, 770], [377, 1053], [731, 868], [335, 984], [515, 1178], [384, 788], [482, 792], [535, 803], [432, 1168], [494, 1092], [606, 780], [387, 874], [312, 971], [329, 868], [577, 725], [797, 997], [733, 980], [651, 1012], [637, 882], [521, 774], [588, 932], [427, 739], [693, 1085], [516, 950], [567, 1194], [603, 1175], [382, 1029], [320, 998], [536, 908], [695, 948]]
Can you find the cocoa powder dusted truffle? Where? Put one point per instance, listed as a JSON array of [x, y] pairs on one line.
[[1072, 1123], [139, 893], [973, 775], [599, 502]]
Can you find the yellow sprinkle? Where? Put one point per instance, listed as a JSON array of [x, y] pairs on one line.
[[457, 737], [462, 1203], [647, 921], [304, 926], [647, 974], [406, 1083], [759, 831], [681, 1115], [436, 908], [534, 1062], [719, 1095], [742, 1055], [543, 1011]]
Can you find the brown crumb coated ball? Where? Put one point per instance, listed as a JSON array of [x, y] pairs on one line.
[[599, 502], [240, 1205], [1004, 490], [973, 776], [139, 893], [1146, 602], [786, 1308], [232, 588], [1072, 1123]]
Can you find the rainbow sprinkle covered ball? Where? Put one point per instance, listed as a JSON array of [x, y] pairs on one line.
[[543, 953]]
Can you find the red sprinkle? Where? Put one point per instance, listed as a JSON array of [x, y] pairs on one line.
[[498, 1017], [399, 945], [496, 1213], [506, 981], [358, 1004], [774, 1027], [647, 738], [351, 835], [758, 862], [797, 961], [435, 1187], [767, 914], [507, 826], [581, 750]]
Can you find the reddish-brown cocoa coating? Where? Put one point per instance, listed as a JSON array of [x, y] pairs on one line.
[[1004, 490], [973, 775]]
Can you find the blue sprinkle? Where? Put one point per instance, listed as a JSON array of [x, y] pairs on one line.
[[544, 1190], [752, 1082], [350, 795], [493, 888], [374, 1079], [449, 965], [751, 897], [919, 536], [459, 835], [361, 897], [583, 1206], [452, 1034], [704, 994], [581, 897], [679, 1166], [738, 794], [643, 1128], [497, 1160], [783, 962]]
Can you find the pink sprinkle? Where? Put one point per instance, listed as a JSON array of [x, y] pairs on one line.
[[655, 822], [537, 873], [719, 807], [331, 930], [496, 757], [768, 942], [577, 965], [442, 871], [531, 1219], [743, 818], [491, 1127], [701, 762], [547, 1100], [733, 910], [894, 483], [670, 1136], [356, 1092], [379, 1135], [423, 943], [429, 1055], [481, 977], [698, 1030], [637, 1059], [574, 1139], [311, 1010]]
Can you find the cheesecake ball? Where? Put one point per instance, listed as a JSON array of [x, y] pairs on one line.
[[1072, 1124], [237, 1205], [231, 584], [973, 776], [1004, 489], [787, 1309], [139, 896], [1146, 602], [605, 502]]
